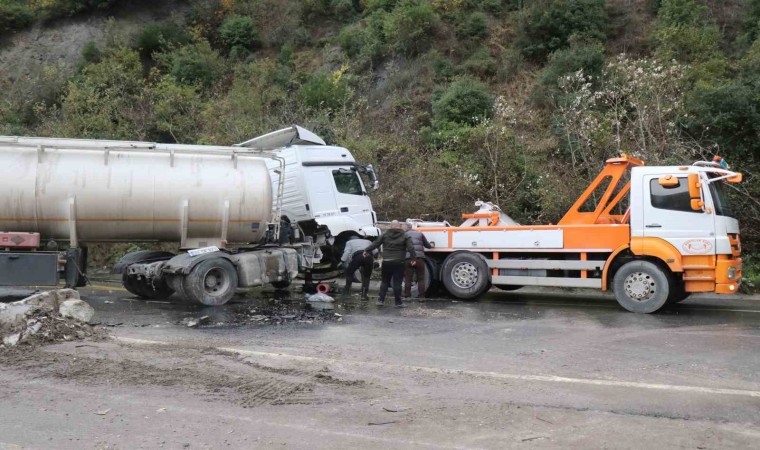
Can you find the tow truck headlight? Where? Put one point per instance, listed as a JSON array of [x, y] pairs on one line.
[[731, 272]]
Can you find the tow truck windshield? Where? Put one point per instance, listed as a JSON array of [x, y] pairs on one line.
[[721, 200]]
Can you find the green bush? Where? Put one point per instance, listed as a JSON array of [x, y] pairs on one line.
[[410, 26], [685, 32], [336, 9], [480, 64], [365, 41], [15, 15], [547, 25], [104, 101], [442, 66], [158, 36], [194, 64], [473, 26], [91, 52], [18, 14], [176, 109], [728, 114], [511, 62], [382, 5], [239, 31], [750, 273], [464, 101], [323, 90], [586, 56]]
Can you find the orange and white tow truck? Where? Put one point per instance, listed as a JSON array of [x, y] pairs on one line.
[[651, 234]]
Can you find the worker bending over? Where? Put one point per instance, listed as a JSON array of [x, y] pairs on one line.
[[355, 258]]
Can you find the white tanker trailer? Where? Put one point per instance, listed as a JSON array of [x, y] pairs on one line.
[[225, 206]]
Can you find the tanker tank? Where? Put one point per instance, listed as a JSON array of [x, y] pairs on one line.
[[117, 191]]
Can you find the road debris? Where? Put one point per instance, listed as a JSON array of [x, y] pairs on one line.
[[319, 298], [46, 317], [395, 409], [77, 309], [103, 413]]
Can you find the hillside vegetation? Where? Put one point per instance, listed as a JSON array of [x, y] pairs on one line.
[[513, 101]]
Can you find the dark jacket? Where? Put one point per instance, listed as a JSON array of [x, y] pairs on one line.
[[395, 244], [420, 243]]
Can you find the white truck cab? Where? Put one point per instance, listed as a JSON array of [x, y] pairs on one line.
[[322, 183], [661, 207]]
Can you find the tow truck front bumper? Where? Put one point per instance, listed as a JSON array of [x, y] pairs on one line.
[[728, 275]]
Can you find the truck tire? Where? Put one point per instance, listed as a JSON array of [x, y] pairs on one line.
[[212, 282], [641, 287], [465, 275]]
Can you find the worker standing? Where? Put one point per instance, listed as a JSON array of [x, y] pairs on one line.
[[395, 244], [415, 265], [355, 258]]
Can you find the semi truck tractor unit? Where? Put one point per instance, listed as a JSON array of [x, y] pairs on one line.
[[243, 216], [651, 234]]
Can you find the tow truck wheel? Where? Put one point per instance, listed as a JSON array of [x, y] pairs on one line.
[[641, 287], [212, 282], [465, 275]]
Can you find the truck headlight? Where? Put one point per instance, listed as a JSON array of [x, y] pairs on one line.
[[731, 272]]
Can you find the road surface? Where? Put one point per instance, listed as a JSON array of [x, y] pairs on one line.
[[531, 369]]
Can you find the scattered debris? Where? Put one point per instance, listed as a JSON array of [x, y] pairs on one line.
[[46, 317], [274, 312], [394, 409], [319, 298], [381, 423], [77, 309], [533, 438]]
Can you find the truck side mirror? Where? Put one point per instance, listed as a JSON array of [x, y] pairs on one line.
[[694, 186], [668, 181], [695, 192], [738, 178]]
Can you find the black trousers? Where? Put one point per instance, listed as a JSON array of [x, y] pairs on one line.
[[364, 265], [392, 273]]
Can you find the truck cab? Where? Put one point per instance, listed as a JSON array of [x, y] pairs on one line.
[[321, 183], [687, 208]]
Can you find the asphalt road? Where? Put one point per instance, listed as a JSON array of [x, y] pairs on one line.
[[534, 369]]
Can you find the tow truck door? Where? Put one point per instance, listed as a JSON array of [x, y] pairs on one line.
[[668, 215]]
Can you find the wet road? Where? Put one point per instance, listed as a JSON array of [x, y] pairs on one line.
[[521, 369]]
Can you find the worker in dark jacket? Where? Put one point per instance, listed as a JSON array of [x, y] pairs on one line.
[[395, 244], [415, 265]]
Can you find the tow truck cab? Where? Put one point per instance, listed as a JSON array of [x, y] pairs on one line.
[[687, 208]]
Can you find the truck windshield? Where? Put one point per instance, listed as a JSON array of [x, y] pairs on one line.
[[720, 199]]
